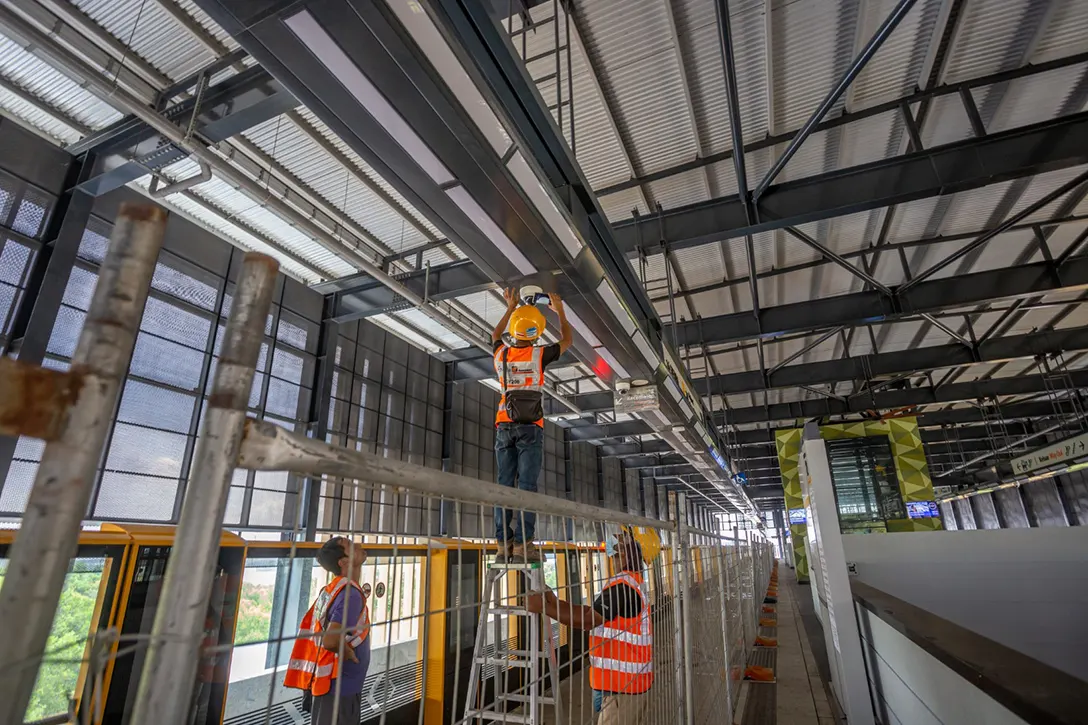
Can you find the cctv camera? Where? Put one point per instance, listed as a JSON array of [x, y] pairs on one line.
[[623, 387]]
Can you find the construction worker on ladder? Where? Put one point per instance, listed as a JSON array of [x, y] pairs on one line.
[[338, 621], [621, 640], [519, 422]]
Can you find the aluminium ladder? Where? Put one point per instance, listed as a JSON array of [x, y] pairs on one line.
[[531, 696]]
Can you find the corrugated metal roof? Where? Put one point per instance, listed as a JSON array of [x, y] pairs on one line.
[[618, 206], [640, 75], [1035, 99], [237, 205], [218, 223], [425, 324], [895, 69], [310, 164], [1066, 32], [56, 89], [697, 28], [994, 35], [484, 305], [813, 40], [346, 151], [152, 33]]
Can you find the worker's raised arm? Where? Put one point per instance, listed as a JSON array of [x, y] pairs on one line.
[[511, 296], [577, 616], [566, 334]]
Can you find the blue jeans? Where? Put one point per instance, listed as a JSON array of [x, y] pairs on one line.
[[519, 452]]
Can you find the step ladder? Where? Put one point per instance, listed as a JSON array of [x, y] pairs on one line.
[[505, 660]]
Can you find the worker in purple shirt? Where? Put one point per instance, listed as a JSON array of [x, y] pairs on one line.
[[346, 693]]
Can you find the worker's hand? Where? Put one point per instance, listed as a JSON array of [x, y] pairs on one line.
[[349, 652], [555, 302], [534, 602], [510, 294]]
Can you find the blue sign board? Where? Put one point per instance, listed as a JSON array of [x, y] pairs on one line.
[[718, 458], [923, 510], [798, 516]]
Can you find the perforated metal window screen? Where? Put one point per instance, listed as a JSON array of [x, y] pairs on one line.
[[149, 449], [24, 210]]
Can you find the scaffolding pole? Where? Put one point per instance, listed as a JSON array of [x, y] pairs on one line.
[[165, 689], [49, 532]]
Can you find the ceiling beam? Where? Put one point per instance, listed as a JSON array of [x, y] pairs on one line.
[[891, 399], [942, 170], [362, 296], [129, 149], [872, 306], [853, 116], [868, 367]]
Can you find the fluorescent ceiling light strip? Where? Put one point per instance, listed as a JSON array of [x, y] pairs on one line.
[[321, 44], [604, 289], [701, 430], [685, 408], [648, 352], [577, 323], [613, 363], [530, 182], [419, 25], [460, 196], [674, 389]]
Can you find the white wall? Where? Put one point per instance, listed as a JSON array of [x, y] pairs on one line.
[[1024, 588], [911, 687]]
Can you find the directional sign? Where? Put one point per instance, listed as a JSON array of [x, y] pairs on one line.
[[1058, 452]]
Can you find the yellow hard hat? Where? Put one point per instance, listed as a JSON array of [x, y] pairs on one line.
[[527, 323], [648, 541]]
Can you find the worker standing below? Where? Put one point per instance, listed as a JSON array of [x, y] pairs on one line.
[[519, 423], [621, 641], [331, 655]]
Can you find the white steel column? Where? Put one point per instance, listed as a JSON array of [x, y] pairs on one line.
[[831, 592]]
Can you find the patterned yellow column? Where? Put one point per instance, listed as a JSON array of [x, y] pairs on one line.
[[788, 444], [913, 471]]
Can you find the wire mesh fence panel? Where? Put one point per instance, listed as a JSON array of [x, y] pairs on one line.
[[420, 616], [424, 589]]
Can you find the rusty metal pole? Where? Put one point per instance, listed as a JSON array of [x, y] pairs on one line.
[[166, 685], [49, 532]]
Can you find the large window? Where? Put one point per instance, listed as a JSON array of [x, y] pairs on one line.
[[866, 486], [150, 448], [63, 671]]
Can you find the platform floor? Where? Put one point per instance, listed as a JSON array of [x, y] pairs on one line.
[[799, 695]]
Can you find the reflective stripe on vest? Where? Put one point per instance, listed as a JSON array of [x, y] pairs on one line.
[[524, 371], [621, 650], [312, 667], [634, 668]]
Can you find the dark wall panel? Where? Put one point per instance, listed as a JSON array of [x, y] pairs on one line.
[[1012, 508], [985, 514], [1044, 502], [965, 517]]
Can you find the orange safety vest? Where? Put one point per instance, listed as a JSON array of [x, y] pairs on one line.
[[621, 651], [524, 371], [312, 667]]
